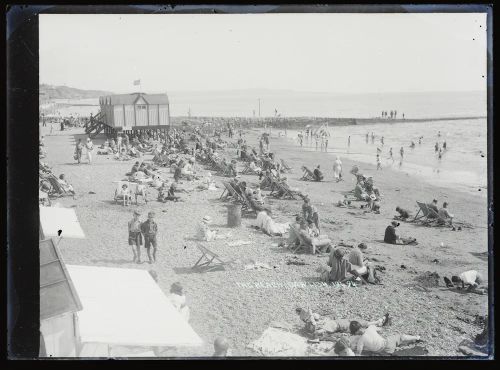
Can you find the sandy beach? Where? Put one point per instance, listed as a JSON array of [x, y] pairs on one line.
[[230, 303]]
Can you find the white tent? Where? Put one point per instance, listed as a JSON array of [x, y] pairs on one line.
[[53, 219], [126, 307]]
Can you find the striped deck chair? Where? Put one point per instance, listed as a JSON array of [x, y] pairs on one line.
[[237, 197], [282, 190], [439, 221], [57, 189], [228, 191], [424, 217], [266, 182]]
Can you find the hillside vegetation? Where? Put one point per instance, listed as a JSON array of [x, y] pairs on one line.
[[65, 92]]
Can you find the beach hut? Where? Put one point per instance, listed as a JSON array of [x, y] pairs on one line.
[[136, 111], [59, 303]]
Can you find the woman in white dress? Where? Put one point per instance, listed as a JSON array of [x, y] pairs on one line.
[[90, 147], [337, 169]]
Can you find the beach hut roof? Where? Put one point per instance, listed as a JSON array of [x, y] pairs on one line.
[[129, 99], [57, 293], [113, 319]]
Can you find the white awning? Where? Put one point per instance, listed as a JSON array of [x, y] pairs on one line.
[[127, 307], [53, 219]]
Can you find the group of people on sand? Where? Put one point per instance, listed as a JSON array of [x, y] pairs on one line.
[[137, 230], [441, 215], [359, 337], [89, 148], [364, 190]]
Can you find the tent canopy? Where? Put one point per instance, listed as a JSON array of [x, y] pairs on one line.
[[53, 219], [127, 307]]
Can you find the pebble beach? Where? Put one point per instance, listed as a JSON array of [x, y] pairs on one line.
[[238, 303]]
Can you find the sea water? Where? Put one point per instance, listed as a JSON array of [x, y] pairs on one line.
[[463, 165], [245, 103]]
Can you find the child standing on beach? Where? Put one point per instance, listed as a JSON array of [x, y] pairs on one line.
[[135, 236], [379, 165], [150, 229], [317, 140]]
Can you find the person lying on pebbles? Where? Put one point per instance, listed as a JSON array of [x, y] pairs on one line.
[[265, 223], [469, 281], [345, 203], [368, 339], [318, 326], [391, 237]]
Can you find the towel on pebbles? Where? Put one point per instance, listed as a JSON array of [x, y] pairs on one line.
[[276, 342], [237, 243]]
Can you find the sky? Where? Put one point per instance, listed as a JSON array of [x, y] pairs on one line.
[[334, 53]]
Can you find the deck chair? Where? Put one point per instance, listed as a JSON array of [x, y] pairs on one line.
[[236, 196], [308, 175], [249, 205], [57, 189], [424, 218], [266, 182], [303, 245], [437, 219], [280, 190], [209, 260], [228, 191], [248, 170], [136, 190]]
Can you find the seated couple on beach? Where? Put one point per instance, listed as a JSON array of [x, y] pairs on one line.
[[442, 214], [165, 195], [368, 340], [470, 281], [318, 326], [308, 175], [391, 237], [349, 266]]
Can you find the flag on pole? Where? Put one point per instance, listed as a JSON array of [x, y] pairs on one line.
[[137, 82]]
